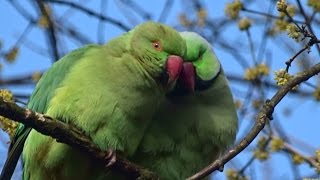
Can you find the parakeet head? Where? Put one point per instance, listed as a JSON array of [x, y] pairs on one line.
[[159, 49], [200, 66]]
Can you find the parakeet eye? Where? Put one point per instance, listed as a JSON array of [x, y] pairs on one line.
[[157, 45]]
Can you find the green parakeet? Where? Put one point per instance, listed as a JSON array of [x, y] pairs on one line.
[[197, 121], [111, 92]]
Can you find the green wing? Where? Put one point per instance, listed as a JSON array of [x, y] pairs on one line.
[[38, 102]]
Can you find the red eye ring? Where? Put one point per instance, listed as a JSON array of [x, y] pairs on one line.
[[157, 45]]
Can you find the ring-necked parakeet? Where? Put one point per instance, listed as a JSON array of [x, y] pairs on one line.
[[197, 121], [110, 92]]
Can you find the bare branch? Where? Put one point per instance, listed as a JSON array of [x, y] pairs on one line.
[[51, 34], [72, 136], [92, 13]]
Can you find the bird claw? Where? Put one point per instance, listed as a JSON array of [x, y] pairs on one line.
[[111, 158]]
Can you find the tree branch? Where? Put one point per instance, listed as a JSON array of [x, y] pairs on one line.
[[50, 31], [70, 135], [92, 13], [263, 116]]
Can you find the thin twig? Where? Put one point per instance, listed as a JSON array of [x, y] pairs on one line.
[[92, 13], [51, 34], [289, 62], [251, 47], [268, 15]]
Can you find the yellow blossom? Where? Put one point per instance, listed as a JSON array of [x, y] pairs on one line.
[[293, 31], [232, 9], [244, 24], [316, 94], [318, 155], [282, 77], [234, 175], [202, 16], [12, 54], [281, 25], [262, 142], [237, 104], [291, 9], [6, 124], [262, 155], [315, 4], [36, 76], [256, 72], [276, 144], [256, 104], [43, 21], [6, 95], [281, 5], [297, 159], [184, 21]]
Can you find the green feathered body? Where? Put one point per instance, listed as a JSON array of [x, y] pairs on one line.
[[191, 130], [102, 110], [110, 92]]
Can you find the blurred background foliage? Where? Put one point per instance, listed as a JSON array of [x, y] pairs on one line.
[[261, 45]]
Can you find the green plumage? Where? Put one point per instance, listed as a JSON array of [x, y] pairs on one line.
[[191, 130], [110, 92], [116, 95]]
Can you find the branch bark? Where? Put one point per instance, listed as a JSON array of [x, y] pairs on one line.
[[261, 120], [68, 134]]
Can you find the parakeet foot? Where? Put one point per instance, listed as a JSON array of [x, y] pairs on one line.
[[111, 158]]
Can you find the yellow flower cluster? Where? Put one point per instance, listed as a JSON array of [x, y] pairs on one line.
[[202, 17], [315, 4], [281, 24], [257, 103], [318, 155], [260, 153], [282, 77], [6, 95], [234, 175], [36, 76], [12, 54], [291, 9], [318, 160], [244, 24], [184, 21], [316, 94], [276, 144], [281, 5], [237, 104], [297, 159], [256, 72], [293, 31], [6, 124], [43, 20], [232, 9]]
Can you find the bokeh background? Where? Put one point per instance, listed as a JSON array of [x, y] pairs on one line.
[[250, 55]]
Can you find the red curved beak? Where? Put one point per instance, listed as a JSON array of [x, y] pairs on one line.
[[187, 77], [173, 67], [181, 72]]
